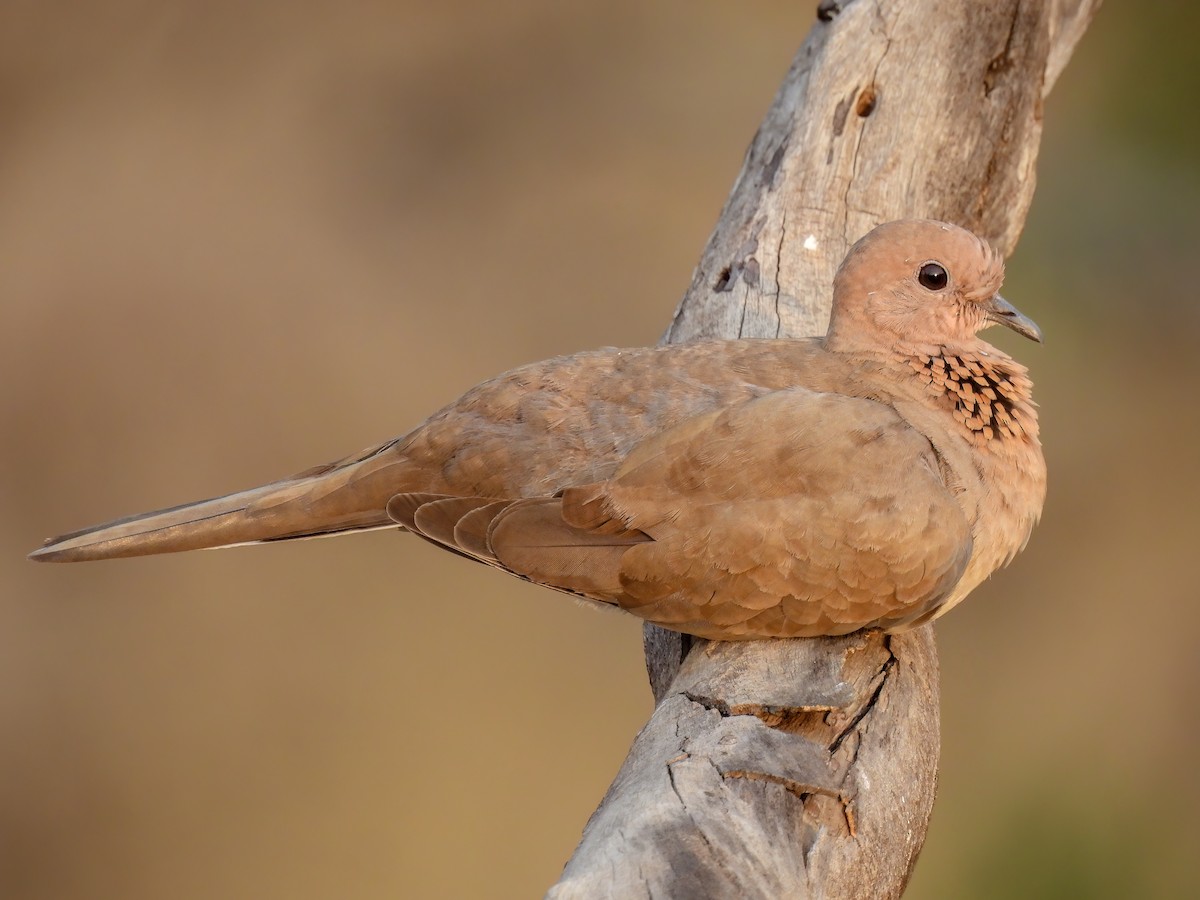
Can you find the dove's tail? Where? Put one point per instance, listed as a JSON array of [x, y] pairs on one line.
[[339, 500]]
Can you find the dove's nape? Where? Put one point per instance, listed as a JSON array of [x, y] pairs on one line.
[[729, 489]]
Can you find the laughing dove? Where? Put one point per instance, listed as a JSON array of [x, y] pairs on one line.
[[727, 489]]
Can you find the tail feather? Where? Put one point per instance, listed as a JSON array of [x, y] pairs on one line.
[[296, 508]]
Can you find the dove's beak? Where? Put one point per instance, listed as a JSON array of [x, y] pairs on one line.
[[1004, 313]]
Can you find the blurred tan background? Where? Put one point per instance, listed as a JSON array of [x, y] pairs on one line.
[[240, 239]]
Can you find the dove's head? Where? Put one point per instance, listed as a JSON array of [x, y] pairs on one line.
[[915, 284]]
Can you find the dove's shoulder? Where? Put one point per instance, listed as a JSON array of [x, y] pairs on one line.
[[571, 419]]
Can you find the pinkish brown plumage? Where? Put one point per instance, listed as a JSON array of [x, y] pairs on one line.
[[728, 489]]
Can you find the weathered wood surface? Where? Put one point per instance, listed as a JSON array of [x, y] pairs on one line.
[[808, 768]]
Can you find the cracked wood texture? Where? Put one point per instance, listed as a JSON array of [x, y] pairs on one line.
[[807, 768]]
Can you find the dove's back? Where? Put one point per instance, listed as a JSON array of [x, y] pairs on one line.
[[526, 433]]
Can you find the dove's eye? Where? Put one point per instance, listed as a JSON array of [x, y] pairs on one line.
[[932, 276]]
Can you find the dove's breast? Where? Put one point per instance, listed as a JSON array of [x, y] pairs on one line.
[[978, 412]]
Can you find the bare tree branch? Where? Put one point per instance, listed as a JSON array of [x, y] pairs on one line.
[[808, 768]]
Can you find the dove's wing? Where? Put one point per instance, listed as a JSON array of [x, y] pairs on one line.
[[796, 513]]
